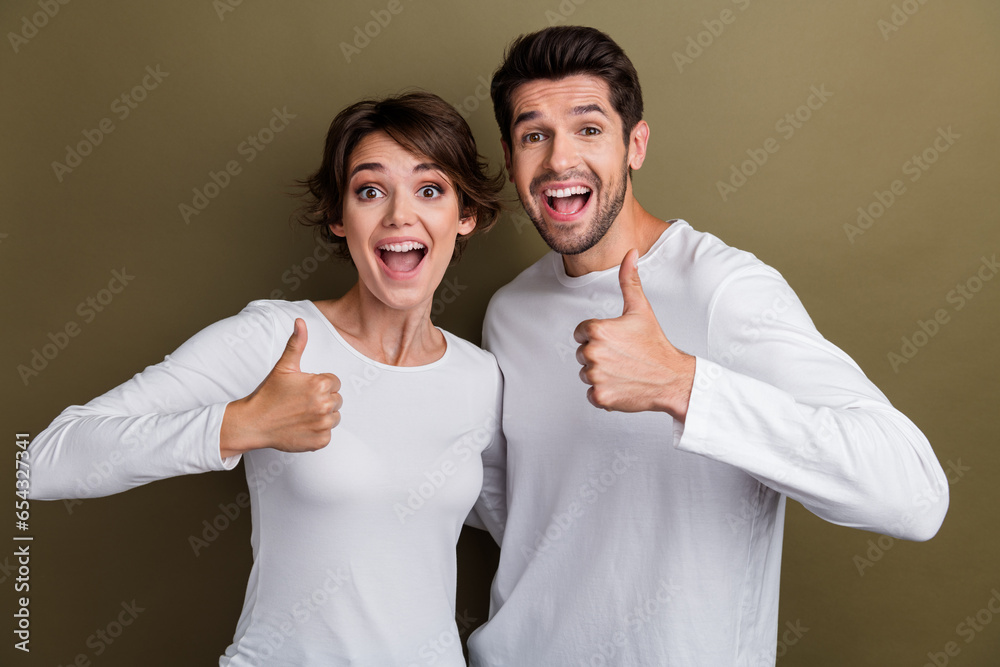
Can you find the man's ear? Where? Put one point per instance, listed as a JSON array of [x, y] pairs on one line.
[[637, 141], [507, 161]]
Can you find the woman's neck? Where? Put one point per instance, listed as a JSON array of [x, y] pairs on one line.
[[391, 336]]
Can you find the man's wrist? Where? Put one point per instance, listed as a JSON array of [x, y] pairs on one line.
[[677, 394]]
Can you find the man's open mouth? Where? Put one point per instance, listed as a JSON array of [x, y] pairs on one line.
[[567, 201], [401, 257]]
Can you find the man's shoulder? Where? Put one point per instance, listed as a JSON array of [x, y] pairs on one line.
[[687, 261], [683, 260], [691, 249]]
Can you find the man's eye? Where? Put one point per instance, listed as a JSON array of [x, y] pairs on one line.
[[591, 131], [533, 137]]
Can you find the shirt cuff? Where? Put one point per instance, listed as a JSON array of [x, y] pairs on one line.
[[694, 434], [213, 442]]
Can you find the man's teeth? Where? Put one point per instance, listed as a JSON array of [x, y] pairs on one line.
[[402, 247], [566, 192]]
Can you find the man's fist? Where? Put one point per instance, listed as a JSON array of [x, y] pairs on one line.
[[290, 411], [628, 361]]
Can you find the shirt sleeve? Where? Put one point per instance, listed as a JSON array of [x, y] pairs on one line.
[[163, 422], [490, 511], [785, 405]]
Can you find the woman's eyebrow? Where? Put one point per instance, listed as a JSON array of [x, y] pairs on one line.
[[374, 166]]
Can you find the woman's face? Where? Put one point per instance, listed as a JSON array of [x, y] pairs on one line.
[[401, 219]]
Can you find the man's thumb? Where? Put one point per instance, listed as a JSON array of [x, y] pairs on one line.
[[292, 355], [628, 278]]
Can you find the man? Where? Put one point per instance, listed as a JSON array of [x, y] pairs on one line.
[[664, 394]]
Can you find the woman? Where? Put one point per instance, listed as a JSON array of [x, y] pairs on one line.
[[364, 435]]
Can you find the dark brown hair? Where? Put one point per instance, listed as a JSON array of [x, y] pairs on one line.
[[423, 124], [561, 51]]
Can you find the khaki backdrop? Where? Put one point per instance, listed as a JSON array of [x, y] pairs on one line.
[[773, 123]]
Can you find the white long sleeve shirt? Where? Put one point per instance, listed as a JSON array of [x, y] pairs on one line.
[[633, 540], [354, 544]]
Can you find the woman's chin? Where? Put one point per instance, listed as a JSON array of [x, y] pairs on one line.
[[404, 290], [411, 296]]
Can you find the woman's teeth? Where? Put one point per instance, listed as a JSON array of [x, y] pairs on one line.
[[402, 247]]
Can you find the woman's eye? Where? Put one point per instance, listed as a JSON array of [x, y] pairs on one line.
[[369, 193], [429, 191]]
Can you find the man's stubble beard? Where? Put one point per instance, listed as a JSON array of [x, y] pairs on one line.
[[603, 219]]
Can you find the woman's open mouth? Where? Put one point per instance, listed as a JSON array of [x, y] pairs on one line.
[[566, 204], [401, 259]]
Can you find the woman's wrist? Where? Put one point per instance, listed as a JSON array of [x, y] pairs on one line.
[[236, 436]]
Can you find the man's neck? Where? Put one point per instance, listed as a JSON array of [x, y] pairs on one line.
[[633, 228]]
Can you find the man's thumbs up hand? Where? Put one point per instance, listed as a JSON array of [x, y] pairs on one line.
[[632, 294], [290, 411], [628, 361]]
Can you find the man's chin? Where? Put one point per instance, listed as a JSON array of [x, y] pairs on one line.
[[568, 242]]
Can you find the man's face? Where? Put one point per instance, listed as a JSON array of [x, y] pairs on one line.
[[568, 160]]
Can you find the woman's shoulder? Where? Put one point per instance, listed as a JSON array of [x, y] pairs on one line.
[[281, 308], [282, 314], [474, 369], [470, 353]]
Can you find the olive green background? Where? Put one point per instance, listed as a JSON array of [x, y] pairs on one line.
[[891, 92]]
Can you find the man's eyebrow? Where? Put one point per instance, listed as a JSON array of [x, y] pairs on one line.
[[576, 111], [587, 108], [374, 166], [524, 118]]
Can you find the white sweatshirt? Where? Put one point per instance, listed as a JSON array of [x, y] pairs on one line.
[[634, 540], [354, 544]]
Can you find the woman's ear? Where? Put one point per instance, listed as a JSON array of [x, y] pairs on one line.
[[337, 228], [467, 224]]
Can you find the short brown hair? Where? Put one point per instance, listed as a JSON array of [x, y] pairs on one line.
[[561, 51], [423, 124]]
